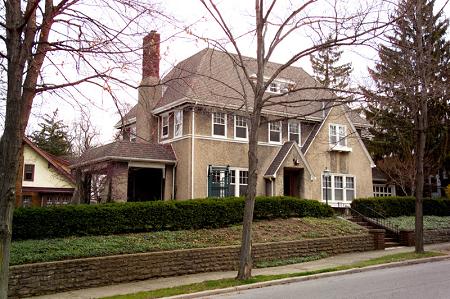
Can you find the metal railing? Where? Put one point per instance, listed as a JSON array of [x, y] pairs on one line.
[[376, 218]]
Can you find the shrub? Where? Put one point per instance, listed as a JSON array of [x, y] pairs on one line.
[[396, 206], [116, 218]]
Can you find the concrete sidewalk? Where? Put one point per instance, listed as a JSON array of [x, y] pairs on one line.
[[153, 284]]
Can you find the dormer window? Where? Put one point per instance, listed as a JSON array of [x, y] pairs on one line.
[[278, 86]]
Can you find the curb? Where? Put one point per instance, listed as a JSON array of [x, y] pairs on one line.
[[309, 277]]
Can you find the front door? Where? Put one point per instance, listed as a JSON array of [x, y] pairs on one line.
[[292, 182]]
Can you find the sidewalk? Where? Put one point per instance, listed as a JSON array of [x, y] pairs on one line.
[[153, 284]]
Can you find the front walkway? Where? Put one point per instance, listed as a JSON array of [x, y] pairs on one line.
[[153, 284]]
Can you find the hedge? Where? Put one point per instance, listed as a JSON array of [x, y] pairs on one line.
[[117, 218], [396, 206]]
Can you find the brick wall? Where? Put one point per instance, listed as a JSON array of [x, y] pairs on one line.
[[53, 277], [407, 238]]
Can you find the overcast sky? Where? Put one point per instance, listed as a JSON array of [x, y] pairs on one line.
[[104, 113]]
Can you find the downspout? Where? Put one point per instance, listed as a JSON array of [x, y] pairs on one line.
[[192, 150], [173, 180]]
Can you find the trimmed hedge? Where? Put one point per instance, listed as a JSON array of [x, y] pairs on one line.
[[396, 206], [117, 218]]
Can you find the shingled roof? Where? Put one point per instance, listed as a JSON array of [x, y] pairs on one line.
[[127, 151], [128, 118], [211, 78]]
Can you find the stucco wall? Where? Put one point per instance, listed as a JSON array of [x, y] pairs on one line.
[[44, 175], [355, 162], [182, 150]]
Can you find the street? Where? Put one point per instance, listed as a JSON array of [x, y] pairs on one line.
[[428, 280]]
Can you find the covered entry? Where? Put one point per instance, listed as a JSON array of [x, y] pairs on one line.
[[145, 184], [286, 173], [292, 181], [132, 172]]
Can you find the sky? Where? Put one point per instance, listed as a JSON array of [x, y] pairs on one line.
[[178, 44]]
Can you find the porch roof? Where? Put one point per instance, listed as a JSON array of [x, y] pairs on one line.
[[128, 151], [278, 160]]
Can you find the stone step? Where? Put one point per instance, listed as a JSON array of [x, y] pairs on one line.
[[391, 244]]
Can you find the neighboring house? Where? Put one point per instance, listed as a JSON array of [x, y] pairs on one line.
[[192, 137], [46, 179], [381, 184]]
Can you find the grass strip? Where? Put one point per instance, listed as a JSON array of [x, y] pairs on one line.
[[231, 282]]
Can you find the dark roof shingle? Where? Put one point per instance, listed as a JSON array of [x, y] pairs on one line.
[[123, 150], [279, 158]]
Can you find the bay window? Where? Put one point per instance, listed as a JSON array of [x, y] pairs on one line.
[[338, 188]]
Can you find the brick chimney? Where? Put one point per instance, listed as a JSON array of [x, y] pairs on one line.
[[151, 57], [149, 90]]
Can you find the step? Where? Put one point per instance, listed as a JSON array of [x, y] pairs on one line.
[[391, 244]]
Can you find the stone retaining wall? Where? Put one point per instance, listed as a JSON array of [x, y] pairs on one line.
[[429, 236], [52, 277]]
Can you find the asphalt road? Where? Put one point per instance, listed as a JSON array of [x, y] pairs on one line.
[[428, 281]]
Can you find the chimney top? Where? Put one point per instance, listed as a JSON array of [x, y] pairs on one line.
[[151, 56]]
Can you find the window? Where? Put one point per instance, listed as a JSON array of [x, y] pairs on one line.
[[28, 173], [380, 190], [275, 132], [26, 201], [133, 134], [279, 87], [219, 124], [240, 127], [178, 126], [338, 135], [294, 132], [338, 187], [238, 182], [219, 181], [165, 126]]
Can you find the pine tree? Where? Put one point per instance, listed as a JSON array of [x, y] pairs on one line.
[[53, 137], [409, 108], [326, 70]]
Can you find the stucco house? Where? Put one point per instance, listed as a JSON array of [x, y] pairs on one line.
[[46, 179], [187, 137]]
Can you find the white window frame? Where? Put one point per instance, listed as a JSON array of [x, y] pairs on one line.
[[298, 133], [213, 123], [133, 136], [280, 132], [341, 138], [236, 120], [237, 179], [333, 188], [178, 133], [381, 190], [164, 117]]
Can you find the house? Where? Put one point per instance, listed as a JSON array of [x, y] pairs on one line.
[[187, 137], [46, 179]]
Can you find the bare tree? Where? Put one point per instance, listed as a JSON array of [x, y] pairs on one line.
[[304, 28], [67, 38]]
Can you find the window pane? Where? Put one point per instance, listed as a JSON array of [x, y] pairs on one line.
[[294, 137], [349, 183], [242, 190], [274, 136], [243, 177], [241, 132], [338, 182], [28, 172], [326, 192], [219, 118], [350, 195], [219, 130], [294, 128], [338, 194]]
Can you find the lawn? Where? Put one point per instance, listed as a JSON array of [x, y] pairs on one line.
[[429, 222], [32, 251]]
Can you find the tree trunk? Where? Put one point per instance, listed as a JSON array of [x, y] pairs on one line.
[[245, 259]]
